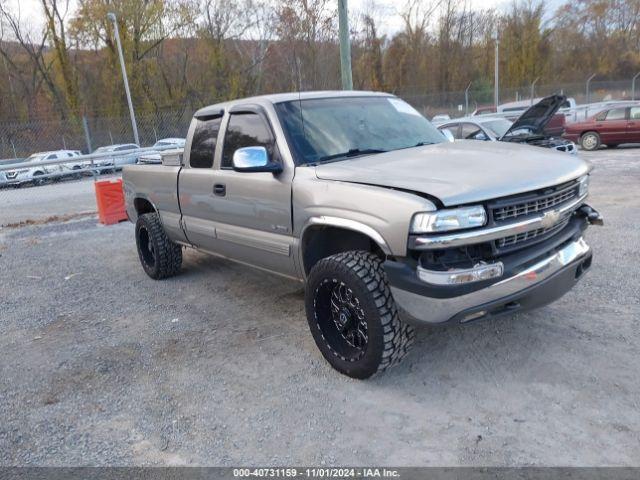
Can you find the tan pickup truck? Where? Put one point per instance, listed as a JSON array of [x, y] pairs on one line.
[[387, 223]]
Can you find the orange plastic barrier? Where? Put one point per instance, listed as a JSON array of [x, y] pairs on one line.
[[110, 200]]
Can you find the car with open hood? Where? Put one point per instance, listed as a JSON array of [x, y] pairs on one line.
[[386, 223], [531, 128]]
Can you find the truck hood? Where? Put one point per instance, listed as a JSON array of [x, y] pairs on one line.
[[460, 172], [538, 116]]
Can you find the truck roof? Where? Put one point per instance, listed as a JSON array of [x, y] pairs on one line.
[[287, 97]]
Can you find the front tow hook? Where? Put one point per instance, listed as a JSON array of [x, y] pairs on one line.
[[591, 214]]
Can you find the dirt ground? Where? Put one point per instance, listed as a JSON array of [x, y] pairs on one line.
[[99, 365]]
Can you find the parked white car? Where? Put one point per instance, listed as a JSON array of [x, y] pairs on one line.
[[122, 155], [161, 145], [27, 173]]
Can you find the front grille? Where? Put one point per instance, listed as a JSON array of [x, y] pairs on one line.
[[12, 174], [519, 238], [541, 203]]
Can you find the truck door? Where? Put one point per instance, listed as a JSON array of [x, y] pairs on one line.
[[196, 181], [253, 209]]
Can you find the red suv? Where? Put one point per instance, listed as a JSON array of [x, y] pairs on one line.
[[610, 127]]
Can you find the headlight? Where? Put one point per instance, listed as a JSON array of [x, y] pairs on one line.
[[584, 186], [452, 219]]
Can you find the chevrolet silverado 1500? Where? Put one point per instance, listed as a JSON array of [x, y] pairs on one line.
[[358, 196]]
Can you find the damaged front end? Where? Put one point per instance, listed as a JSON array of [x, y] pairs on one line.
[[530, 252]]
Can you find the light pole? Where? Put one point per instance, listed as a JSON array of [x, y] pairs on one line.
[[588, 88], [633, 86], [345, 46], [134, 126], [533, 88], [496, 73]]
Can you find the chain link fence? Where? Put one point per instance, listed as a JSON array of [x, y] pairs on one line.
[[73, 194], [21, 139], [459, 103]]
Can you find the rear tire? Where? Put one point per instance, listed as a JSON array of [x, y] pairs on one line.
[[159, 256], [590, 141], [352, 315]]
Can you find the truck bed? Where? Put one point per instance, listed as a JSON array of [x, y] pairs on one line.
[[158, 184]]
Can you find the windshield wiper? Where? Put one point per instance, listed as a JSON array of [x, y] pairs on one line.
[[354, 152], [419, 144]]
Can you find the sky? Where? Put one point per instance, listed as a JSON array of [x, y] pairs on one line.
[[386, 11]]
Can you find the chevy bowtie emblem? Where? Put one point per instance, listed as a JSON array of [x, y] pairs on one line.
[[549, 219]]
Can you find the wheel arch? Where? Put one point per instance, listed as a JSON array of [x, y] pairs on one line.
[[325, 236], [142, 205]]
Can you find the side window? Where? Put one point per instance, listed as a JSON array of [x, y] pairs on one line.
[[601, 116], [246, 130], [454, 129], [203, 145], [617, 114], [469, 131], [52, 157], [635, 113]]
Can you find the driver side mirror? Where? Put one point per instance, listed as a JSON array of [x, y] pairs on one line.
[[448, 134], [254, 159]]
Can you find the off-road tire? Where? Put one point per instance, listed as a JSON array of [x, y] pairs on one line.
[[389, 339], [159, 256], [590, 141]]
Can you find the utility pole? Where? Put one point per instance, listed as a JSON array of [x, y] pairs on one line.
[[496, 81], [134, 126], [345, 46]]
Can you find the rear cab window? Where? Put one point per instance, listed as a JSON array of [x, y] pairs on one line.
[[203, 144]]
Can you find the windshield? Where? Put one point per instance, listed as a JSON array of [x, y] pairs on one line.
[[36, 157], [499, 126], [332, 129], [103, 149]]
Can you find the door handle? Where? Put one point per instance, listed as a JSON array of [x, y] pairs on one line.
[[220, 189]]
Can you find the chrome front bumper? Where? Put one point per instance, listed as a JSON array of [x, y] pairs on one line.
[[536, 285]]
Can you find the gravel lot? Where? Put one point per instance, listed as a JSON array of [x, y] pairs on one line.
[[99, 365], [67, 197]]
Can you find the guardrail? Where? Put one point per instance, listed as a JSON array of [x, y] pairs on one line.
[[85, 164]]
